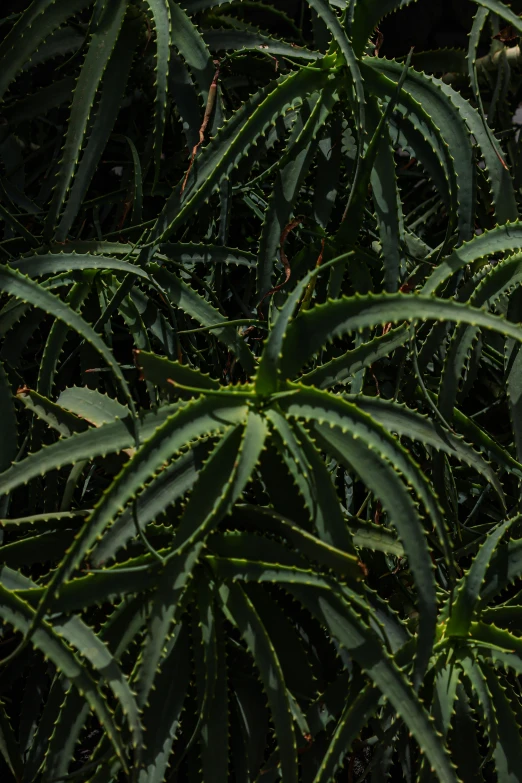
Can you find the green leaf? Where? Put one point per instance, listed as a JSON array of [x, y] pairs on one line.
[[413, 425], [292, 170], [355, 715], [465, 604], [20, 615], [14, 283], [103, 41], [359, 641], [214, 738], [444, 115], [426, 90], [336, 559], [499, 240], [240, 610], [112, 92], [243, 40], [366, 16], [39, 20], [9, 747], [503, 11], [56, 340], [52, 413], [308, 333], [189, 423], [8, 426], [183, 296], [166, 374], [343, 368], [313, 481], [507, 751], [161, 12], [161, 718], [324, 11], [231, 143], [170, 485], [385, 483], [91, 405]]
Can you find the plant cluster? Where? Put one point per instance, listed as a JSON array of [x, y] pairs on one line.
[[260, 395]]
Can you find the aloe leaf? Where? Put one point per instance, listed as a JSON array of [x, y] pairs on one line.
[[8, 426], [188, 253], [381, 478], [496, 645], [243, 40], [310, 546], [499, 240], [463, 740], [342, 369], [42, 521], [366, 16], [387, 204], [507, 750], [355, 715], [413, 425], [231, 143], [109, 439], [9, 747], [218, 486], [424, 88], [421, 133], [269, 371], [187, 424], [444, 115], [479, 21], [91, 405], [467, 598], [204, 313], [112, 92], [165, 374], [191, 46], [78, 634], [56, 340], [206, 633], [501, 279], [289, 647], [307, 333], [503, 11], [325, 12], [52, 263], [20, 615], [324, 409], [291, 172], [161, 717], [39, 103], [101, 46], [14, 283], [367, 535], [53, 414], [170, 485], [39, 20], [222, 480], [161, 12], [364, 647], [240, 610], [313, 481], [505, 567], [513, 386], [214, 736], [64, 714]]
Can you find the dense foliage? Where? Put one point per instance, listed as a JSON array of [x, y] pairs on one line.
[[260, 395]]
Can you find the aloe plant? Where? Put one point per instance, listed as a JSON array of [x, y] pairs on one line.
[[261, 430]]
